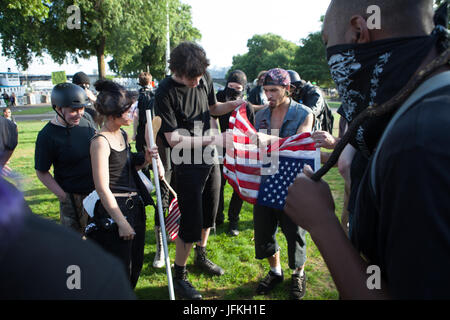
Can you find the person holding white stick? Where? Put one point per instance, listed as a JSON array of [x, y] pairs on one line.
[[119, 218]]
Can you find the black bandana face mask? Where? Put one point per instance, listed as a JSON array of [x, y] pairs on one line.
[[233, 94], [372, 73]]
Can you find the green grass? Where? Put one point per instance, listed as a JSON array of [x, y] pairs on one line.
[[334, 104], [22, 111], [235, 254]]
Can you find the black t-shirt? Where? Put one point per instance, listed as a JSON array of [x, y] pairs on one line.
[[68, 151], [185, 109], [405, 227], [36, 258]]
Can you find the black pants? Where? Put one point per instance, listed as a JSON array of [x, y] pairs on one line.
[[130, 252], [235, 203], [198, 189]]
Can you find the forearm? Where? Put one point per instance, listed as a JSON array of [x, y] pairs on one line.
[[221, 108], [47, 180], [188, 142], [348, 269]]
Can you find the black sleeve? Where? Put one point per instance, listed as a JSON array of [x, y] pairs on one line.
[[137, 159], [210, 87], [43, 155], [165, 110], [413, 181], [9, 135], [314, 100]]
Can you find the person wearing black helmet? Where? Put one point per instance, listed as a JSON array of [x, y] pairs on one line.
[[64, 144], [311, 96], [82, 79]]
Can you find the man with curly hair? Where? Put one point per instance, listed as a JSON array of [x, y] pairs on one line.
[[185, 102]]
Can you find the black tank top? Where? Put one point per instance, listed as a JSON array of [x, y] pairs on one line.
[[120, 176]]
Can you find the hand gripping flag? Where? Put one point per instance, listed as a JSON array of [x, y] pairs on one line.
[[263, 176]]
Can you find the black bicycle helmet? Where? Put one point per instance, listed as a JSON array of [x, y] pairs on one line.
[[69, 95], [295, 77], [80, 78]]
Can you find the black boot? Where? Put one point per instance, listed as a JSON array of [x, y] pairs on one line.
[[205, 264], [182, 287]]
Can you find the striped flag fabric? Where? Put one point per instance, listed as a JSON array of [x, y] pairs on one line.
[[173, 220], [263, 174]]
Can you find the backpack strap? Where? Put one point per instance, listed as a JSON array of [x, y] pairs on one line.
[[437, 82]]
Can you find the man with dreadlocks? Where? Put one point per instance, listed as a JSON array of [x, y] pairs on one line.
[[402, 72], [64, 143]]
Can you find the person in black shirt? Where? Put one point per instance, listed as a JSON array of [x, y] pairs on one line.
[[118, 222], [146, 102], [81, 79], [400, 219], [8, 142], [64, 144], [234, 89], [311, 96], [185, 102], [40, 260], [257, 95]]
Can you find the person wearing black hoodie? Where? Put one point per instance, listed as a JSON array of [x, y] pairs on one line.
[[234, 90]]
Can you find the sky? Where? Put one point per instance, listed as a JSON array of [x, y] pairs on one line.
[[226, 26]]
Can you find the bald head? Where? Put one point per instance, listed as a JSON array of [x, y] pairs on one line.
[[399, 18]]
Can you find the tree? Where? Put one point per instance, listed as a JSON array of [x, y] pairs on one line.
[[265, 52], [152, 54], [119, 28], [311, 61], [20, 25]]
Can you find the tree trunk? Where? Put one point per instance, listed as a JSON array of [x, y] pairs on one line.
[[101, 59]]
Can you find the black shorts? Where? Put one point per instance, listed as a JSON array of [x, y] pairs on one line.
[[198, 190]]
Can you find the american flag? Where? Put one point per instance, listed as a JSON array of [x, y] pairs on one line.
[[263, 176], [173, 220]]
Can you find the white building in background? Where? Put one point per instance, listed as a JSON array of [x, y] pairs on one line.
[[10, 83]]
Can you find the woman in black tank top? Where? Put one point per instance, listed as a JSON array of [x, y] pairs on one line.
[[118, 224]]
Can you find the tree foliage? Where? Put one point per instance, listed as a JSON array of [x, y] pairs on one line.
[[125, 30], [265, 52], [311, 61], [151, 54], [272, 51]]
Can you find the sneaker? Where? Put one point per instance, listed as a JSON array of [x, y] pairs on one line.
[[205, 264], [185, 290], [298, 286], [269, 282]]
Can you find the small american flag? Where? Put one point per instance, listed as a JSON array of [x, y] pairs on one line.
[[173, 220], [254, 178]]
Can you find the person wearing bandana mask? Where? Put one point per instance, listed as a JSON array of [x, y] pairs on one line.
[[234, 90], [400, 207]]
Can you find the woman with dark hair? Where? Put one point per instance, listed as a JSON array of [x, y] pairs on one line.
[[118, 224]]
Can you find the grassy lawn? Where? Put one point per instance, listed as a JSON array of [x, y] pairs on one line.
[[234, 254], [22, 111]]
